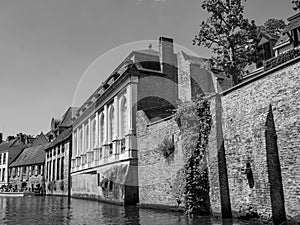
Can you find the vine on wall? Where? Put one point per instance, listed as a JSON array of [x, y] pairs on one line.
[[194, 119]]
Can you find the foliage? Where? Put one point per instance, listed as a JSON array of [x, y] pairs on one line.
[[231, 37], [177, 185], [296, 4], [167, 147], [273, 26], [195, 120], [282, 58]]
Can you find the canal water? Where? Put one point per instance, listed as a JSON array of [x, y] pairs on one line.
[[61, 210]]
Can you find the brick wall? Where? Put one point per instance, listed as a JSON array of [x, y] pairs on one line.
[[158, 177], [244, 117]]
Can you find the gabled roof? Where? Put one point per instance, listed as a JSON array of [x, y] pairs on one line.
[[62, 137], [40, 140], [16, 143], [31, 156], [67, 117], [13, 147]]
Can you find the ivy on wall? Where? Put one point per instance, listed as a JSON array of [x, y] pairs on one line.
[[194, 119]]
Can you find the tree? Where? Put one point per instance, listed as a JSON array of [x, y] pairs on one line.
[[231, 37], [296, 4], [273, 26]]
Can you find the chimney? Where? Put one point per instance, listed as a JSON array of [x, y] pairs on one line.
[[1, 138], [21, 137], [167, 56], [168, 62]]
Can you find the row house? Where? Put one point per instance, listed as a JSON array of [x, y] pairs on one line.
[[58, 155], [27, 171], [9, 151], [104, 163]]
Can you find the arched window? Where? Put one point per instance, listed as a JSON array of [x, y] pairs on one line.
[[93, 133], [80, 141], [111, 123], [101, 128], [86, 136], [123, 117]]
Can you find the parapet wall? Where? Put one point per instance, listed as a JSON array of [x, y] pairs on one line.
[[244, 115]]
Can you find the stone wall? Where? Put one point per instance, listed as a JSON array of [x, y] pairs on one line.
[[159, 178], [113, 183], [244, 118]]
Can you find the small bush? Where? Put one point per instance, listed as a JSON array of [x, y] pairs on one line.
[[167, 147]]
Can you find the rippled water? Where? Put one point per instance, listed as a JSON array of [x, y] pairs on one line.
[[61, 210]]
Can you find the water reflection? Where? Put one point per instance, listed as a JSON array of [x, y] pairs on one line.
[[60, 210]]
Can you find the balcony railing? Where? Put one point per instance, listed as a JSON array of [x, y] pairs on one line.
[[281, 58]]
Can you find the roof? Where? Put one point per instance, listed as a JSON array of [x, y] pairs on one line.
[[284, 38], [195, 59], [62, 137], [40, 140], [67, 117], [16, 143], [30, 156], [13, 147], [294, 22], [148, 52]]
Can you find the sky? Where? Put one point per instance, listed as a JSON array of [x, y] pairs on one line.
[[55, 53]]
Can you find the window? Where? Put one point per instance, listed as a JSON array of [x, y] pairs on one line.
[[80, 141], [24, 170], [3, 174], [98, 179], [53, 170], [0, 158], [111, 123], [57, 169], [47, 171], [50, 167], [32, 170], [87, 136], [93, 134], [102, 129], [123, 117], [63, 148], [75, 143], [62, 168], [4, 158]]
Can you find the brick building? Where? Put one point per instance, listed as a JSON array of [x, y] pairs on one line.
[[27, 171], [58, 155], [9, 151], [105, 142]]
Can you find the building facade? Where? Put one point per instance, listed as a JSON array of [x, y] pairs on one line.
[[58, 155], [9, 151], [27, 171], [104, 162]]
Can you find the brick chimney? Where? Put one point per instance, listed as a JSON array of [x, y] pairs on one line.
[[1, 138], [167, 56], [21, 137], [168, 62]]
